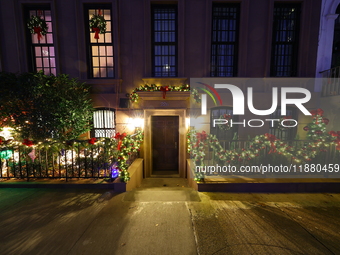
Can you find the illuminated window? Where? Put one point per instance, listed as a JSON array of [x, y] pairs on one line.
[[103, 123], [41, 49], [224, 40], [285, 40], [100, 50], [164, 40]]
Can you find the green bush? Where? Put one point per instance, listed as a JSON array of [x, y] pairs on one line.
[[39, 107]]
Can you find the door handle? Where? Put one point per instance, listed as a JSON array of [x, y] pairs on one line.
[[175, 145]]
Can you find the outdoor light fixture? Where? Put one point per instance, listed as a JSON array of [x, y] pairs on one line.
[[7, 133], [138, 122]]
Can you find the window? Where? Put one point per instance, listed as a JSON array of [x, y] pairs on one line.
[[283, 133], [164, 40], [103, 123], [224, 40], [285, 40], [100, 50], [220, 113], [336, 41], [41, 49]]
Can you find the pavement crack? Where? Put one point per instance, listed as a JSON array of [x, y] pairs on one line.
[[193, 228], [85, 230]]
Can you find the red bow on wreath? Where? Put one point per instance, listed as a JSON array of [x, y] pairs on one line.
[[38, 30], [120, 137], [165, 89], [96, 34], [272, 139]]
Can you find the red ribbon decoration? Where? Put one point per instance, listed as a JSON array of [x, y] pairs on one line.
[[165, 89], [38, 30], [120, 137], [27, 142], [272, 139], [315, 113], [333, 133], [201, 137], [92, 140], [96, 30]]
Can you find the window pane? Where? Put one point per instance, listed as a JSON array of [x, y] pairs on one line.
[[38, 62], [109, 61], [43, 47], [285, 40], [96, 72], [95, 51], [46, 62], [51, 51], [101, 49], [103, 123], [52, 62], [38, 51], [103, 72], [109, 50], [95, 61], [224, 39], [164, 36]]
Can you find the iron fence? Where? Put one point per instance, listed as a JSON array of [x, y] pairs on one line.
[[326, 154], [331, 82], [95, 161]]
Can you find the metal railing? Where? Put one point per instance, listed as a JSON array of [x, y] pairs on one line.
[[95, 161], [331, 82], [326, 155]]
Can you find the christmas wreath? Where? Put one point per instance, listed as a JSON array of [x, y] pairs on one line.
[[225, 126], [38, 26], [98, 25]]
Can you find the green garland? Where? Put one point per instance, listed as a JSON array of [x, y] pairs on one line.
[[195, 95], [108, 151], [130, 144], [37, 25], [199, 143], [153, 87], [98, 21]]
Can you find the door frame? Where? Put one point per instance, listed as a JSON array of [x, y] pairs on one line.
[[181, 113]]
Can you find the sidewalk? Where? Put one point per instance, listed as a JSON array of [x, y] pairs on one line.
[[165, 216]]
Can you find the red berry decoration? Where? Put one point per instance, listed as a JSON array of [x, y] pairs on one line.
[[325, 120], [306, 128]]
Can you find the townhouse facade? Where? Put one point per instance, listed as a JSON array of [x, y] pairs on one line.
[[168, 42]]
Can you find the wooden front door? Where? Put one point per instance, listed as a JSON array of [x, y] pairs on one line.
[[164, 130]]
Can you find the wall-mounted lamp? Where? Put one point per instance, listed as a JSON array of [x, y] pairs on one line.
[[137, 123]]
